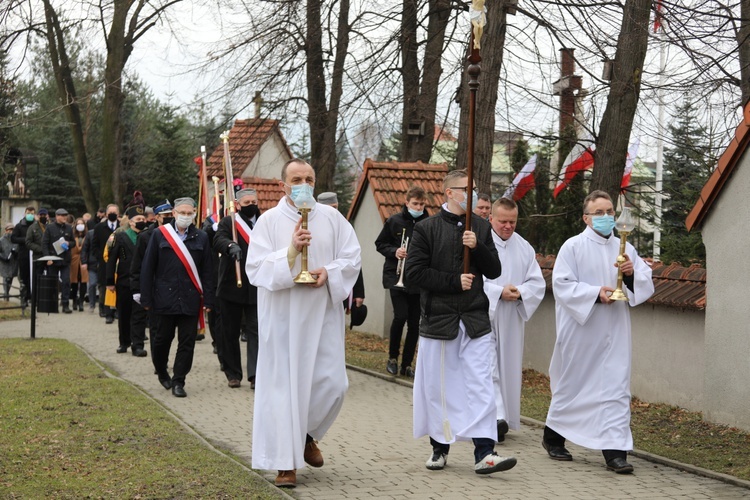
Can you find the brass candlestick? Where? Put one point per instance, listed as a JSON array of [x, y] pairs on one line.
[[624, 225], [304, 275]]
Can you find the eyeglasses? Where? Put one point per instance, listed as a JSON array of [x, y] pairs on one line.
[[186, 214], [463, 188], [599, 213]]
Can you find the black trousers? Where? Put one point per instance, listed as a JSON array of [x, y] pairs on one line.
[[231, 328], [24, 275], [405, 312], [552, 438], [131, 323], [187, 329], [63, 275]]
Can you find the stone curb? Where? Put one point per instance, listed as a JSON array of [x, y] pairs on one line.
[[692, 469]]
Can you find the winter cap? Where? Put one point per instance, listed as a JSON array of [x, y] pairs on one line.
[[61, 211], [133, 211], [184, 201], [328, 198]]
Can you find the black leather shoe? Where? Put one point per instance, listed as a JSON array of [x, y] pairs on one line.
[[110, 320], [620, 466], [166, 383], [557, 452], [102, 313], [392, 366], [122, 349], [502, 430], [178, 391], [67, 310], [200, 336], [243, 337], [140, 353]]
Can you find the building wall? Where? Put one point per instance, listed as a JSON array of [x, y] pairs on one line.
[[727, 241], [668, 352], [269, 160], [368, 225]]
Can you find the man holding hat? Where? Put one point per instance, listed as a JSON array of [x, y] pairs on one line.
[[131, 323], [234, 301], [176, 283], [57, 240]]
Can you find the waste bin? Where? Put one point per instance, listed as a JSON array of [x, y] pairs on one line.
[[47, 294]]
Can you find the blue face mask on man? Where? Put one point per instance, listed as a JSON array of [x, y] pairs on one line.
[[603, 224], [415, 213], [301, 192], [474, 201]]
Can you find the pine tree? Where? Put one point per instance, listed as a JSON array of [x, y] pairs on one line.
[[686, 168]]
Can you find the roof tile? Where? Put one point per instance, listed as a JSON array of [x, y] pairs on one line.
[[269, 192], [245, 139]]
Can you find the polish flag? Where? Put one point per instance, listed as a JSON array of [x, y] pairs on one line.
[[580, 158], [632, 153], [523, 181], [658, 16]]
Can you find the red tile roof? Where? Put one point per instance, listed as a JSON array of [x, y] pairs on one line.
[[389, 181], [674, 285], [269, 192], [245, 140], [727, 163]]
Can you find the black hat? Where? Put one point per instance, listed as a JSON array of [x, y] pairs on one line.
[[133, 211], [43, 211], [358, 315]]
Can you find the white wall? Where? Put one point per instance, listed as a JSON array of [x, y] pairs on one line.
[[268, 161], [727, 380], [368, 225]]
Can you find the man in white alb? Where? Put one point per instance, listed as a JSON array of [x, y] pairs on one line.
[[590, 368], [514, 297], [301, 373]]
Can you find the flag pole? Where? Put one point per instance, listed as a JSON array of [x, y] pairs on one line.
[[474, 69]]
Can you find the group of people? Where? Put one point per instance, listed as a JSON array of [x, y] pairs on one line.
[[464, 293]]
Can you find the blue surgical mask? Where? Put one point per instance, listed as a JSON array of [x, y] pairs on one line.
[[415, 213], [474, 201], [300, 192], [29, 217], [603, 224]]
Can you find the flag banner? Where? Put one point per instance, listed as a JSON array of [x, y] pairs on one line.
[[632, 153], [523, 181], [580, 158]]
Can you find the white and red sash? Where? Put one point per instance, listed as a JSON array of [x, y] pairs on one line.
[[242, 228], [187, 260]]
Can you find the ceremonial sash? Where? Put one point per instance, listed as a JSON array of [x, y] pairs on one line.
[[187, 260], [242, 228]]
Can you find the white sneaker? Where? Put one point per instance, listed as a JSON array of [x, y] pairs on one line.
[[437, 461], [494, 463]]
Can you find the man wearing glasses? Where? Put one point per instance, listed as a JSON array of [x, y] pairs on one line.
[[176, 283], [590, 368], [454, 397]]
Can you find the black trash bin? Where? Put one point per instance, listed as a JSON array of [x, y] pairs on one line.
[[47, 294]]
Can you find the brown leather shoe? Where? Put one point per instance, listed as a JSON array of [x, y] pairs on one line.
[[313, 456], [286, 479], [234, 383]]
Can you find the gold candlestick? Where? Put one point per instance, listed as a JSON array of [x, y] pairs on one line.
[[304, 275], [624, 225]]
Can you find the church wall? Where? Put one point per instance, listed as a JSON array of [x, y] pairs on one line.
[[727, 346], [268, 161]]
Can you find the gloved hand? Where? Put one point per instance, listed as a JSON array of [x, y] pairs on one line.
[[65, 245], [235, 252], [215, 226], [137, 297]]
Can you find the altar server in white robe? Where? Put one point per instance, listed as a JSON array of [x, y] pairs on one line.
[[301, 372], [514, 297], [590, 368], [453, 393]]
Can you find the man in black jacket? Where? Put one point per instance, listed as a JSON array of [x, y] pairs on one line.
[[57, 240], [397, 229], [234, 301], [454, 397], [90, 262], [176, 284], [131, 319], [102, 232], [18, 237]]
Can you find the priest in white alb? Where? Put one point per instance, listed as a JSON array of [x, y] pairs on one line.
[[590, 368], [514, 297], [301, 374]]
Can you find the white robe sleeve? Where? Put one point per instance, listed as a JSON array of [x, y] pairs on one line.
[[576, 297], [265, 267], [493, 291], [533, 287], [343, 271], [642, 280]]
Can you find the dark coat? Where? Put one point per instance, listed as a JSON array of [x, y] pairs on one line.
[[389, 240], [227, 283], [53, 233], [141, 244], [120, 259], [18, 237], [102, 233], [165, 285], [88, 256], [34, 237], [435, 264]]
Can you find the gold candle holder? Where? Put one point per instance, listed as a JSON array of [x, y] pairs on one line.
[[624, 225], [304, 276]]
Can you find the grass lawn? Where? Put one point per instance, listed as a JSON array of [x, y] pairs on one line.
[[661, 429], [69, 431]]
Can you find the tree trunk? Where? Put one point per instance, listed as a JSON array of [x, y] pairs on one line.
[[69, 99], [617, 121], [420, 98], [493, 45], [743, 44]]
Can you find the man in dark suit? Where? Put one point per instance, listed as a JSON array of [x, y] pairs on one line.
[[102, 232], [131, 320], [57, 240]]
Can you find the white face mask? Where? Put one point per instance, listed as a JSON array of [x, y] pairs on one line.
[[184, 221]]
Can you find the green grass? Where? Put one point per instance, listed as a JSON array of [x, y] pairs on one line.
[[69, 431], [9, 311], [660, 429]]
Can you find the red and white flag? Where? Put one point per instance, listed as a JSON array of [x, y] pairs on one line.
[[523, 181], [580, 158], [632, 153], [658, 16]]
